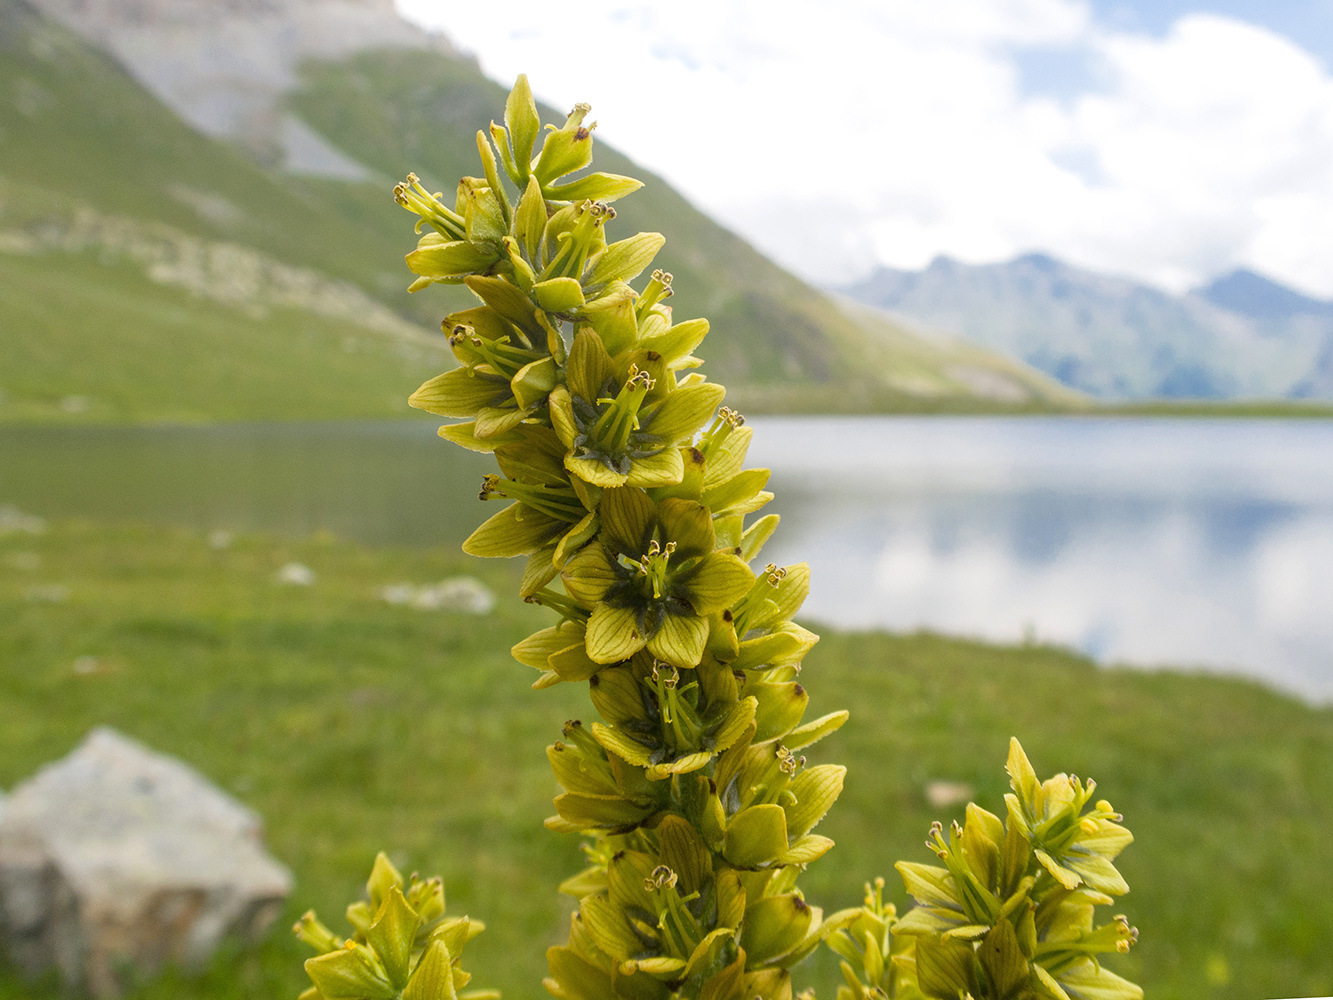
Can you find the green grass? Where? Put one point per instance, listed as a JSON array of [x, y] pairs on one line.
[[131, 351], [353, 725]]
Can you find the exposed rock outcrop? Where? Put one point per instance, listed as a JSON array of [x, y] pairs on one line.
[[223, 65], [116, 860]]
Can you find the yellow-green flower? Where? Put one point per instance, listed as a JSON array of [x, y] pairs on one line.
[[653, 578]]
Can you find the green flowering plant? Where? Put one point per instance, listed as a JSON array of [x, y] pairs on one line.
[[629, 497]]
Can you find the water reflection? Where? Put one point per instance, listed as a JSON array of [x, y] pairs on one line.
[[1192, 543]]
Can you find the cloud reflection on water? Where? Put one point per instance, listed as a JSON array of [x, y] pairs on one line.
[[1202, 544]]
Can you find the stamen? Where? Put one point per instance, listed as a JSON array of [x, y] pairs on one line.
[[661, 877]]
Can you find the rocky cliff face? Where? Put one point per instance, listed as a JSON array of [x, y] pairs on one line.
[[224, 65]]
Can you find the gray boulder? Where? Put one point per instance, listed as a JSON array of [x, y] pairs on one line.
[[116, 860]]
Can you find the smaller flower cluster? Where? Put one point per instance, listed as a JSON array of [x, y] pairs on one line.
[[403, 946], [1010, 916]]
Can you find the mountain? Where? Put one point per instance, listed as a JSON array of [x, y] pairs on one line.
[[1243, 336], [169, 252]]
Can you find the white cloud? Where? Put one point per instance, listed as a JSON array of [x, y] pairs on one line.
[[858, 131]]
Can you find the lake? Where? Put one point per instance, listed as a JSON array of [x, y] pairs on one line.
[[1204, 544]]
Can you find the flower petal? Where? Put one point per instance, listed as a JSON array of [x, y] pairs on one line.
[[680, 641], [589, 366], [689, 524], [589, 574], [613, 634], [515, 531], [663, 469], [627, 519], [718, 581], [592, 471]]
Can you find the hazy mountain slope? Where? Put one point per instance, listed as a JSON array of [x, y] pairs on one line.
[[419, 111], [1113, 338], [147, 272], [95, 172]]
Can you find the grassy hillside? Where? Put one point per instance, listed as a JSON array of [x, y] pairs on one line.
[[777, 342], [148, 273], [102, 185], [351, 724]]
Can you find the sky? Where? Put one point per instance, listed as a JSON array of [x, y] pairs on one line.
[[1164, 140]]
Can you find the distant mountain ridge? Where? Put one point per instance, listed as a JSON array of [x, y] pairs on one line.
[[1242, 336]]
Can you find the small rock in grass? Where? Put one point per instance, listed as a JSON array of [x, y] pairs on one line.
[[14, 522], [50, 593], [220, 539], [464, 594], [116, 860], [296, 574], [942, 794]]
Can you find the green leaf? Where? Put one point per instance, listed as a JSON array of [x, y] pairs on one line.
[[735, 724], [756, 535], [807, 849], [589, 366], [1067, 878], [1022, 777], [813, 732], [945, 969], [684, 852], [558, 295], [508, 300], [816, 789], [604, 812], [626, 748], [523, 125], [787, 645], [536, 648], [774, 926], [611, 314], [781, 706], [596, 186], [929, 885], [594, 472], [393, 934], [1003, 961], [575, 979], [451, 260], [1089, 981], [608, 928], [678, 341], [539, 571], [1098, 872], [736, 492], [626, 259], [616, 696], [384, 878], [346, 975], [530, 222], [756, 836], [565, 150], [533, 382], [575, 538], [496, 421]]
